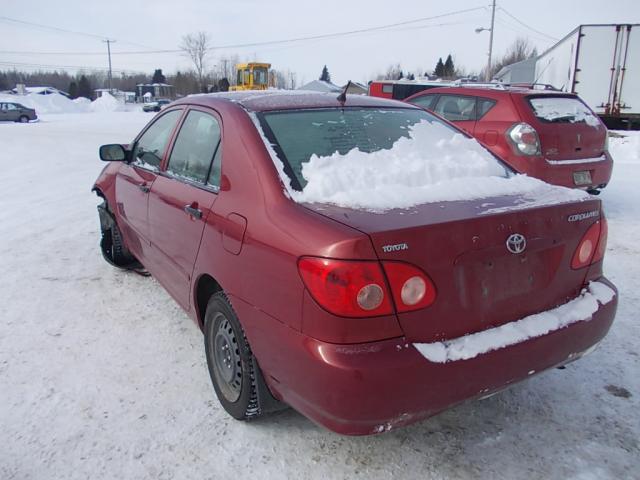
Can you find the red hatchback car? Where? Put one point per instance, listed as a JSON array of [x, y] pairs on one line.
[[544, 133], [362, 320]]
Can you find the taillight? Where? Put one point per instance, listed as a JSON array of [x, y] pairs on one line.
[[412, 289], [346, 288], [592, 245], [351, 288], [524, 138]]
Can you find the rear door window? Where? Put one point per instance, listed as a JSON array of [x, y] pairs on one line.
[[456, 108], [150, 147], [196, 146], [551, 109], [483, 106], [424, 101]]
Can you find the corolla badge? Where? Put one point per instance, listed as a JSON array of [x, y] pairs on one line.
[[516, 243]]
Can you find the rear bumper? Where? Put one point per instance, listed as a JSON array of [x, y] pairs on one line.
[[370, 388], [560, 172]]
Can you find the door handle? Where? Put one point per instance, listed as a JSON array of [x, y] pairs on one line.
[[144, 188], [193, 211]]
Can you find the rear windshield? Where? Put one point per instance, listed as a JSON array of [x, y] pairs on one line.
[[300, 136], [562, 110]]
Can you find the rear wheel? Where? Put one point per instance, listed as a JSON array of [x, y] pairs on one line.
[[235, 374], [23, 119]]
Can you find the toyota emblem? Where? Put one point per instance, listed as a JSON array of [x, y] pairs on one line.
[[516, 243]]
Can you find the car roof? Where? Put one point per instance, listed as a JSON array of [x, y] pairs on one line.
[[265, 100], [496, 90]]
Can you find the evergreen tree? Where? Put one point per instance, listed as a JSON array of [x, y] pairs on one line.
[[325, 76], [449, 68], [158, 77], [411, 76], [400, 75], [84, 88], [73, 89], [439, 70], [223, 84]]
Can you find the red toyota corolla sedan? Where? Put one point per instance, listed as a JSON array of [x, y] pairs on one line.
[[546, 134], [357, 259]]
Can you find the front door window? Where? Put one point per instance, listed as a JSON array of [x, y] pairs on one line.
[[195, 148], [150, 147]]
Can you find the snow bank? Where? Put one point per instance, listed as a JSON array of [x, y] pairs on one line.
[[56, 103], [106, 103], [625, 147], [52, 103], [470, 346], [435, 164]]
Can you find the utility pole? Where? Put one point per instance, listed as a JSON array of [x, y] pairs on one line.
[[109, 42], [493, 18]]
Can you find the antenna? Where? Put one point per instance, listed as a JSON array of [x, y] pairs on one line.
[[342, 98]]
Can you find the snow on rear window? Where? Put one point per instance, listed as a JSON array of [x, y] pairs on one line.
[[333, 160], [563, 110]]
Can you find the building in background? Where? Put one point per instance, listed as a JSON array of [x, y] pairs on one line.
[[21, 89], [124, 97], [356, 88], [321, 86], [154, 91]]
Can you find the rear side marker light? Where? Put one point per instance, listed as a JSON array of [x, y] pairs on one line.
[[592, 245]]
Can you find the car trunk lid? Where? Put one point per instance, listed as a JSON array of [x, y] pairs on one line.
[[462, 247]]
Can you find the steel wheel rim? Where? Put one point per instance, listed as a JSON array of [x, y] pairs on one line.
[[227, 364]]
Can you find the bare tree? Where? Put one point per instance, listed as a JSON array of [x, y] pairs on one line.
[[196, 46]]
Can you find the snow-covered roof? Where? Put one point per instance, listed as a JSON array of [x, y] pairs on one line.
[[42, 90], [320, 86]]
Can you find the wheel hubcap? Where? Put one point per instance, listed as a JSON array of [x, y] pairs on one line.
[[227, 362]]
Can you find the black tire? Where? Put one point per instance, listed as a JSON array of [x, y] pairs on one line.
[[112, 244], [23, 119], [234, 371]]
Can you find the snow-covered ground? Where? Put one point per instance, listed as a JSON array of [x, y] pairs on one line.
[[102, 376]]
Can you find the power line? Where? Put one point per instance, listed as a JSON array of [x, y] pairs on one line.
[[351, 32], [528, 26], [255, 44], [62, 30], [520, 30]]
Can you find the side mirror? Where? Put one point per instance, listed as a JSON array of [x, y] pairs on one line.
[[113, 152]]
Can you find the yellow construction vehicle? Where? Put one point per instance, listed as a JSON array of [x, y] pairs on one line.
[[252, 76]]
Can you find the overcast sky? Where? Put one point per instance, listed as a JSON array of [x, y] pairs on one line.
[[139, 26]]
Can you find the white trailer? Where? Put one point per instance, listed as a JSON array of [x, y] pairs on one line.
[[601, 63]]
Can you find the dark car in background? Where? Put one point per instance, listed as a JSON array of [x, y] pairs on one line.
[[543, 133], [15, 112], [362, 321], [156, 106]]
